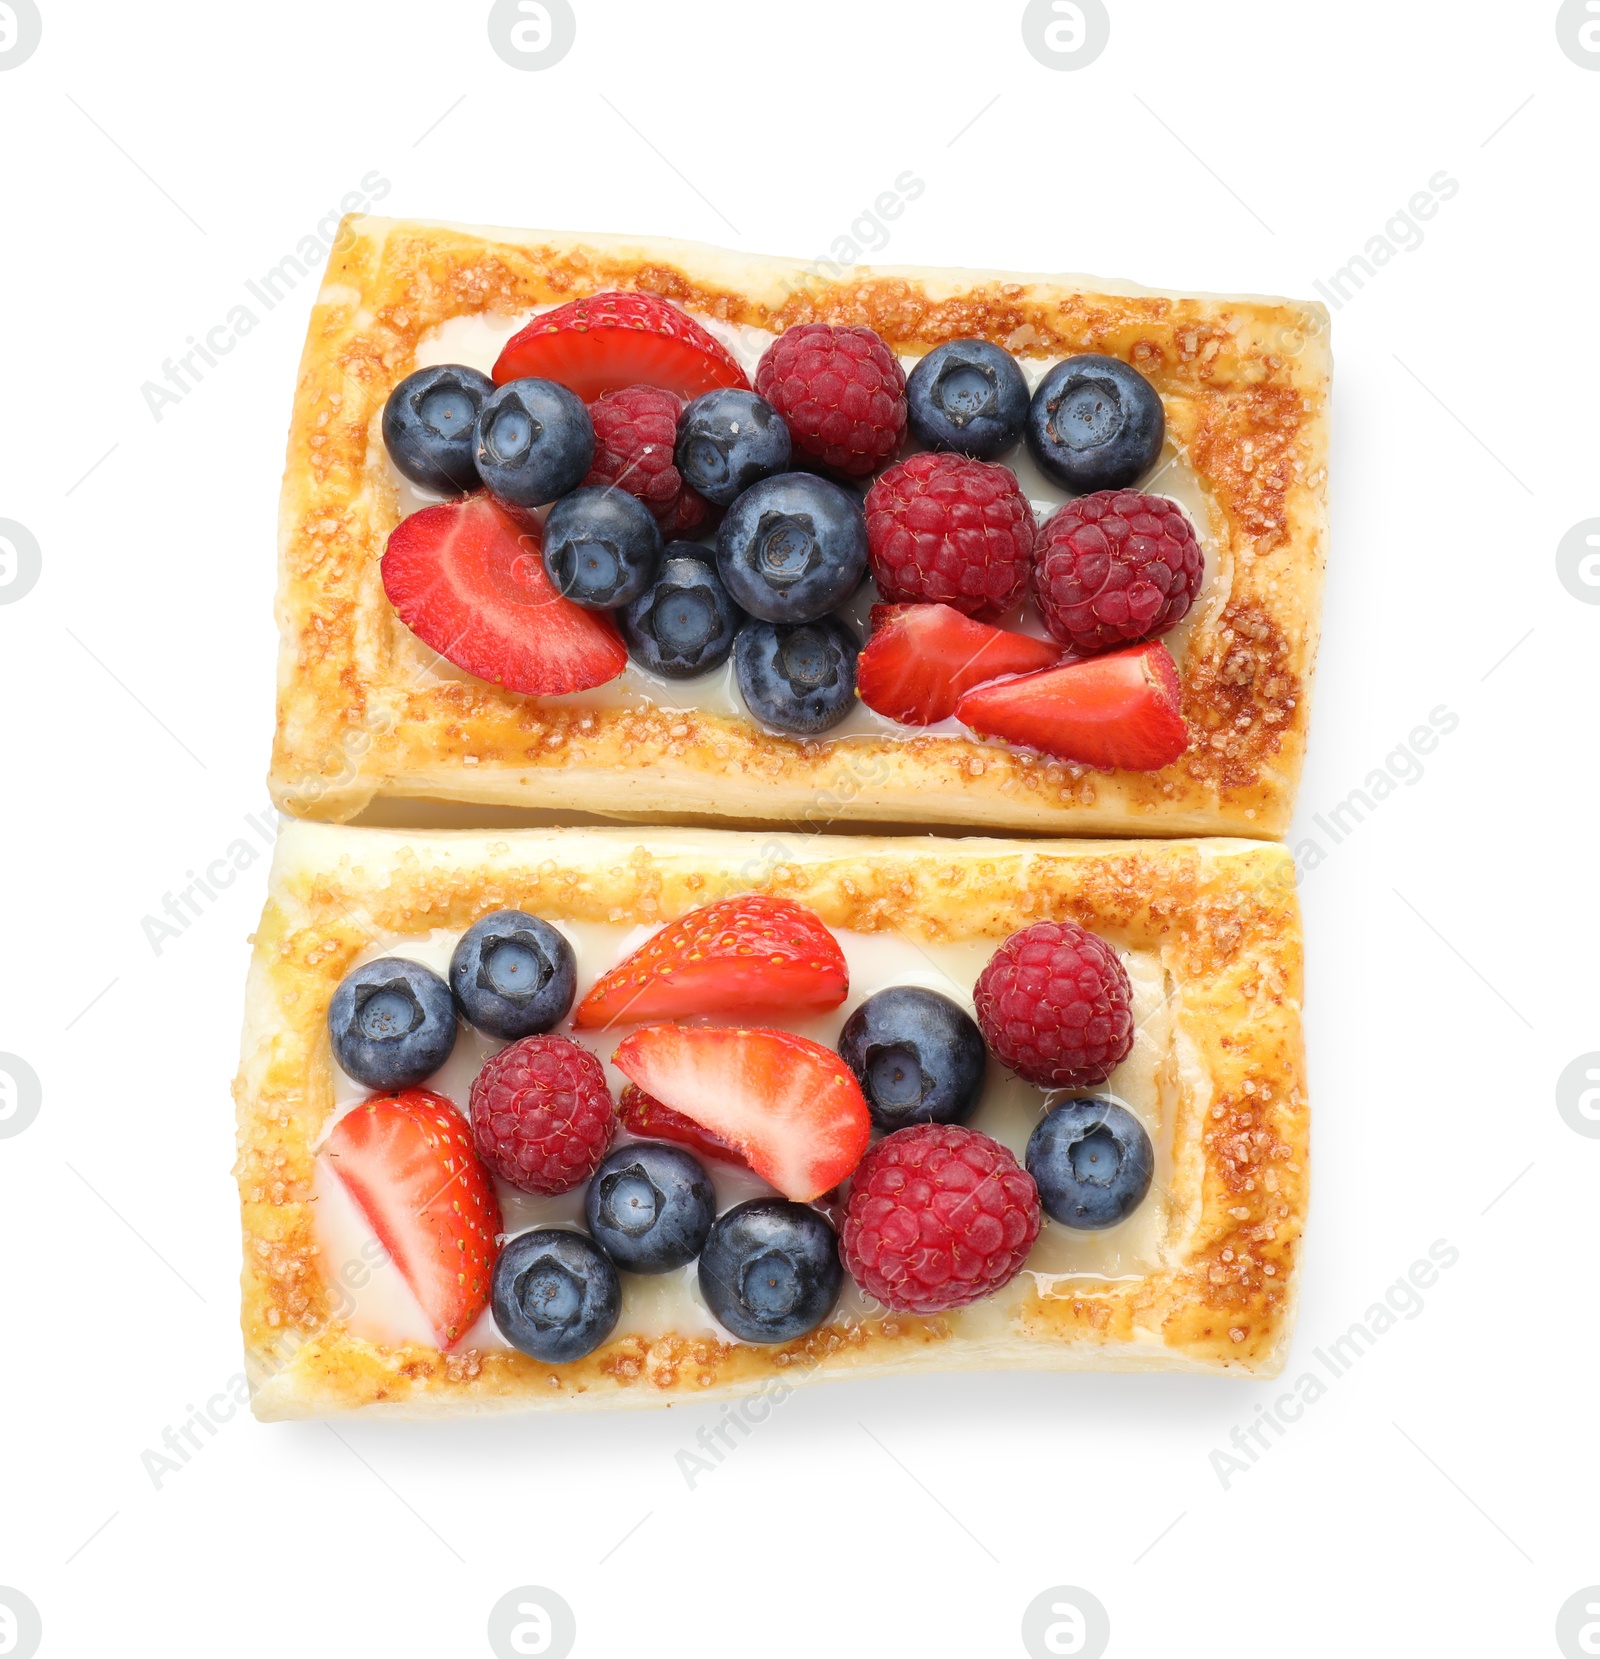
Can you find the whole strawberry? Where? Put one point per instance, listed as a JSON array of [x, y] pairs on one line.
[[542, 1116], [938, 1216], [841, 392], [634, 434]]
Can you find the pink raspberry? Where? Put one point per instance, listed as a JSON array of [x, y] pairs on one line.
[[542, 1116], [841, 392], [635, 431]]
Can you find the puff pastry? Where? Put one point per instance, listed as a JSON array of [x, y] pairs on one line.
[[361, 714], [1214, 923]]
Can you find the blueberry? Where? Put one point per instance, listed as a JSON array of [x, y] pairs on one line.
[[1095, 424], [534, 441], [601, 546], [728, 440], [1092, 1162], [967, 396], [512, 974], [428, 427], [650, 1206], [918, 1056], [792, 547], [393, 1023], [685, 624], [770, 1270], [555, 1295], [800, 679]]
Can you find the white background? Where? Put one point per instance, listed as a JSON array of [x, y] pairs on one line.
[[1439, 1497]]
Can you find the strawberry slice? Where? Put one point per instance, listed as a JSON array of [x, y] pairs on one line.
[[466, 578], [1118, 710], [921, 658], [744, 956], [791, 1107], [408, 1161], [643, 1114], [606, 342]]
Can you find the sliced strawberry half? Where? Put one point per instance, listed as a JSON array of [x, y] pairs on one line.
[[643, 1114], [466, 578], [744, 956], [792, 1107], [921, 658], [1119, 710], [608, 341], [408, 1161]]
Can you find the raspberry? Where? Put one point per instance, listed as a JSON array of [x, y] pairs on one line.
[[1115, 567], [950, 530], [1055, 1005], [841, 392], [542, 1116], [634, 433], [938, 1216]]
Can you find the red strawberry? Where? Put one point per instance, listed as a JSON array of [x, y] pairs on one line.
[[741, 956], [466, 578], [407, 1160], [1117, 710], [921, 658], [607, 341], [643, 1114], [792, 1107]]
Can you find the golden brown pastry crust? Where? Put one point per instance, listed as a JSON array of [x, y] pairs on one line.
[[1245, 385], [1222, 915]]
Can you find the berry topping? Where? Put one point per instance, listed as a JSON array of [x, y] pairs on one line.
[[841, 392], [512, 975], [634, 433], [791, 1106], [918, 1057], [556, 1296], [534, 442], [792, 547], [968, 396], [1095, 424], [955, 531], [743, 956], [408, 1162], [922, 658], [601, 547], [1119, 710], [650, 1207], [684, 625], [938, 1217], [1092, 1161], [1055, 1005], [1115, 566], [770, 1270], [645, 1116], [729, 440], [542, 1116], [800, 679], [607, 342], [392, 1022], [428, 427], [466, 578]]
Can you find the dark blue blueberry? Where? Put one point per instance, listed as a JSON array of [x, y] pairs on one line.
[[770, 1270], [601, 546], [650, 1206], [918, 1056], [728, 440], [554, 1294], [1092, 1162], [800, 679], [685, 624], [534, 442], [967, 396], [792, 547], [1095, 424], [512, 974], [428, 427], [393, 1023]]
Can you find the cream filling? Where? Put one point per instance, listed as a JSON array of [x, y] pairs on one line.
[[377, 1304]]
